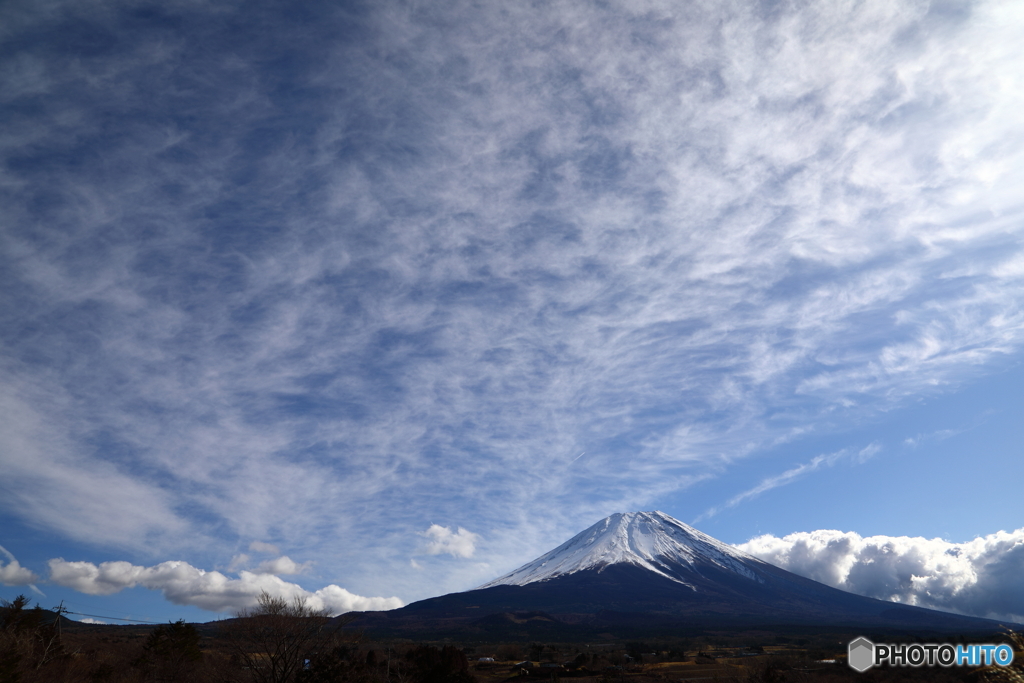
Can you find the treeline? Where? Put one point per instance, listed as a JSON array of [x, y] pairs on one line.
[[276, 642]]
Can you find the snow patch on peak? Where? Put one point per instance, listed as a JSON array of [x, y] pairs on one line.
[[652, 540]]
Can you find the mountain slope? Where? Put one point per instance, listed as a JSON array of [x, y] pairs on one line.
[[647, 571]]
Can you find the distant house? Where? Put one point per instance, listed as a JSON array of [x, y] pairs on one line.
[[522, 668]]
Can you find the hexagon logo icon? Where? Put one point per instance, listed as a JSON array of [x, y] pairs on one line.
[[861, 654]]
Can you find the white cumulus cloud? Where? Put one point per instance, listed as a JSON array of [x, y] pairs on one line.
[[983, 577], [281, 565], [12, 573], [461, 543], [183, 584]]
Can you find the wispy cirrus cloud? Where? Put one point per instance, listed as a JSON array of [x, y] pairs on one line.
[[793, 474], [328, 275], [261, 547]]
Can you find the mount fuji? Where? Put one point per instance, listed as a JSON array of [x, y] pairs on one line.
[[649, 540], [645, 572]]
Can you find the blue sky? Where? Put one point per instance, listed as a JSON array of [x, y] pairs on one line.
[[369, 302]]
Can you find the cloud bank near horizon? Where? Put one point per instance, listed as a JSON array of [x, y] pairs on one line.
[[979, 578], [183, 584], [974, 578]]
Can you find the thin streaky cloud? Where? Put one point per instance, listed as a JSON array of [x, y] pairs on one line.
[[788, 477]]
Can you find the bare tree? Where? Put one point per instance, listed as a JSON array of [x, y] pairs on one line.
[[29, 638], [273, 640]]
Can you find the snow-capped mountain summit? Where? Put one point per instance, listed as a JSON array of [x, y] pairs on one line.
[[651, 540]]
